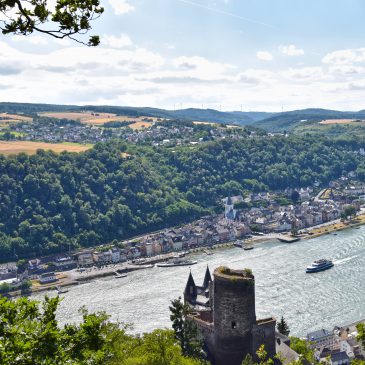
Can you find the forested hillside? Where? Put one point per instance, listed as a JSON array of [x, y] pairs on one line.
[[48, 201]]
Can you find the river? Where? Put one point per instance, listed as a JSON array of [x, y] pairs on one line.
[[308, 302]]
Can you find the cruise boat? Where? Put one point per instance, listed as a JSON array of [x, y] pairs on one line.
[[176, 261], [319, 265]]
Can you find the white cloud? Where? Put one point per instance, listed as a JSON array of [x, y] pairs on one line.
[[201, 66], [255, 76], [305, 73], [264, 56], [32, 39], [346, 70], [291, 50], [113, 41], [122, 73], [345, 57], [121, 7]]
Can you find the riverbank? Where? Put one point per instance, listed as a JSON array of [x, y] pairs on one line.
[[76, 277], [334, 227], [282, 286]]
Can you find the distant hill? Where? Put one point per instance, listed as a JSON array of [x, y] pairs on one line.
[[256, 116], [204, 115], [272, 122], [289, 120]]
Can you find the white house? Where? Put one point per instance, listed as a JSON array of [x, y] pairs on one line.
[[48, 277], [177, 246]]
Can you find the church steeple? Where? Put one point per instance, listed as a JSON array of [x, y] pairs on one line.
[[190, 292], [207, 278]]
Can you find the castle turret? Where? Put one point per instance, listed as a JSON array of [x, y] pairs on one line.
[[234, 315], [207, 278], [190, 292]]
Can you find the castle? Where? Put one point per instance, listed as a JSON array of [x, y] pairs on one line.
[[224, 312]]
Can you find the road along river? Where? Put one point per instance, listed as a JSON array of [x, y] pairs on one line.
[[307, 301]]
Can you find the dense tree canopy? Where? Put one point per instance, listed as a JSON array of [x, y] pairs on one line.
[[30, 334], [69, 18], [50, 201]]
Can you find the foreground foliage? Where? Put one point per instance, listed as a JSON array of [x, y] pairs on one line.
[[186, 332], [50, 201], [68, 19], [30, 334]]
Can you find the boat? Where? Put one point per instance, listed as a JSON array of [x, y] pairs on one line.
[[319, 265], [118, 276], [61, 290], [248, 247], [176, 261], [238, 244], [287, 239]]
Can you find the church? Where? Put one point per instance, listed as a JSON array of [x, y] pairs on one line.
[[224, 312]]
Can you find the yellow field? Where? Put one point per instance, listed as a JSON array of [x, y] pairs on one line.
[[339, 121], [6, 118], [98, 118], [15, 117], [14, 147], [140, 125]]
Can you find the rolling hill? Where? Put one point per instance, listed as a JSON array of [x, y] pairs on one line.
[[204, 115], [289, 120]]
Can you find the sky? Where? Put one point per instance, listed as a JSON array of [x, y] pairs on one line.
[[249, 55]]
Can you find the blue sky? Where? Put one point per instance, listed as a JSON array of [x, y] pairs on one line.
[[255, 54]]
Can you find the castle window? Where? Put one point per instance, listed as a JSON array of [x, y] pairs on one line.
[[234, 325]]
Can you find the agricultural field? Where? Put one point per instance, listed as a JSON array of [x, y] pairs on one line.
[[15, 147], [336, 128], [6, 119], [140, 125], [99, 119], [341, 121]]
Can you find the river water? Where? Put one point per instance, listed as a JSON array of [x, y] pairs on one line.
[[308, 302]]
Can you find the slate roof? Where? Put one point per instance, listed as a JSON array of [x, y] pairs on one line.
[[314, 336], [339, 356]]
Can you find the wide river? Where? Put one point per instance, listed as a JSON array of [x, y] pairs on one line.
[[308, 302]]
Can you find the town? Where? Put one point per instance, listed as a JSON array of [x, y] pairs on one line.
[[287, 215], [159, 132]]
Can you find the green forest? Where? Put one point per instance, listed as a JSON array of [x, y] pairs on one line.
[[49, 201]]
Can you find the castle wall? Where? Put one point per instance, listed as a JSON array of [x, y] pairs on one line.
[[203, 321], [263, 333]]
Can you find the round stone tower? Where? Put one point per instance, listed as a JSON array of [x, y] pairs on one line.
[[234, 315]]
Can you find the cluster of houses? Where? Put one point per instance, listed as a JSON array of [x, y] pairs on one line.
[[340, 345], [308, 212], [55, 133], [157, 134]]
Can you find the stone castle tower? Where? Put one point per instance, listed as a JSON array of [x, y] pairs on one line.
[[224, 312], [234, 314]]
